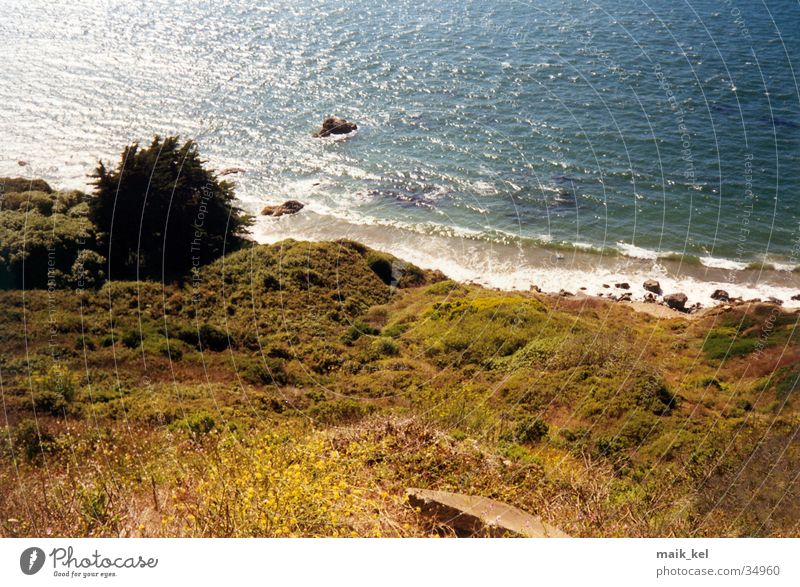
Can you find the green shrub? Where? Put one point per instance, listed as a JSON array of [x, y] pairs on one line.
[[386, 347], [54, 389], [653, 394], [179, 193], [132, 339], [197, 425], [530, 430], [357, 330], [171, 351], [266, 371], [212, 338], [32, 441]]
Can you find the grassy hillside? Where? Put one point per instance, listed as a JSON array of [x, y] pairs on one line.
[[299, 388]]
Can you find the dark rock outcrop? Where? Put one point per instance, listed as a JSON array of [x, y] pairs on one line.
[[333, 125], [676, 301], [720, 295], [796, 298], [652, 285], [469, 515], [774, 300], [288, 207], [623, 285]]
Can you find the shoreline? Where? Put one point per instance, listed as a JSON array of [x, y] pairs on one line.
[[515, 267]]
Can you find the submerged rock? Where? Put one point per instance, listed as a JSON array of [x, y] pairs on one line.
[[333, 125], [231, 171], [473, 514], [288, 207], [676, 301], [720, 295], [652, 285]]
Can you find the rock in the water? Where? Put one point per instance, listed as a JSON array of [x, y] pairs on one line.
[[472, 514], [720, 295], [796, 298], [623, 285], [334, 125], [231, 171], [289, 207], [676, 301], [774, 300], [652, 285]]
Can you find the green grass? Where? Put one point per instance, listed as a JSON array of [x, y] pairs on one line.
[[603, 421]]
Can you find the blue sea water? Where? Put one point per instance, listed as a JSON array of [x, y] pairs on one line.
[[646, 127]]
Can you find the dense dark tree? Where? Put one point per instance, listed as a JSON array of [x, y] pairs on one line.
[[160, 212]]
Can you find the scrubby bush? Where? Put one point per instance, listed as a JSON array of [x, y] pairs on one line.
[[32, 441], [654, 395], [132, 339], [530, 430], [42, 237], [385, 346], [54, 389], [165, 210], [358, 330], [197, 425], [212, 338]]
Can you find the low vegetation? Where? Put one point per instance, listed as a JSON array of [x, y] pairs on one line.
[[297, 389]]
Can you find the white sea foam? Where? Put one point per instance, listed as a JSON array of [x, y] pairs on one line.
[[637, 252], [718, 263], [508, 267]]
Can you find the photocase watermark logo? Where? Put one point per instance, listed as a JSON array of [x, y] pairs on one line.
[[31, 560]]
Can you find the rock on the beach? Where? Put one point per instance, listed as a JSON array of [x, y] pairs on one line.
[[626, 297], [650, 299], [623, 285], [565, 294], [333, 125], [652, 285], [288, 207], [720, 295], [676, 301], [473, 514], [774, 300]]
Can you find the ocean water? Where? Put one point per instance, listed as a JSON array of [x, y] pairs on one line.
[[508, 142]]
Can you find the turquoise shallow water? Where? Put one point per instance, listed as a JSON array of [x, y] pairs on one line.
[[642, 127]]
